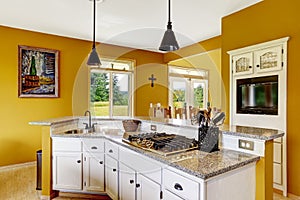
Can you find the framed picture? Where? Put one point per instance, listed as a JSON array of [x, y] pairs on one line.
[[38, 72]]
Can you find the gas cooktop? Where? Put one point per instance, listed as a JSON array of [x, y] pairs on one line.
[[161, 143]]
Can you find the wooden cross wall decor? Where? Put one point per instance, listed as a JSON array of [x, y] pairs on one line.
[[152, 79]]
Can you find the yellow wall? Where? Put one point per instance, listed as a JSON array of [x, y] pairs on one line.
[[268, 20], [20, 141]]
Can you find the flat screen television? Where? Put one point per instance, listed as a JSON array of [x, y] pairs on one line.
[[257, 95]]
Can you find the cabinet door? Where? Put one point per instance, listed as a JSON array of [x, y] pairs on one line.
[[127, 182], [268, 59], [167, 195], [242, 64], [67, 171], [147, 189], [93, 172], [111, 177]]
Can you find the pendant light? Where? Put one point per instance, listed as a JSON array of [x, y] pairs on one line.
[[93, 59], [169, 42]]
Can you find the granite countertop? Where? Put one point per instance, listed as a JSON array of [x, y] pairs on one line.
[[252, 132], [197, 163]]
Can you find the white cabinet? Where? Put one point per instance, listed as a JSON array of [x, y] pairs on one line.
[[242, 63], [147, 189], [67, 164], [93, 164], [111, 177], [67, 170], [139, 176], [112, 170], [265, 59], [93, 176], [127, 182], [268, 59], [78, 164]]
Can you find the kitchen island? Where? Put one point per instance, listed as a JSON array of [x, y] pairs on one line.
[[205, 170]]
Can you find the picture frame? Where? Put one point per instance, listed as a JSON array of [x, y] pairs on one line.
[[38, 72]]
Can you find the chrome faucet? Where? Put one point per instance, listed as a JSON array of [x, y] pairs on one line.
[[89, 125]]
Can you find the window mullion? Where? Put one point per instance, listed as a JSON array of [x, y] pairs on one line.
[[111, 95]]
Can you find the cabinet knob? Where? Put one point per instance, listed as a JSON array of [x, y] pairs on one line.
[[250, 67], [114, 170], [131, 181], [177, 186], [78, 161], [94, 147], [138, 185], [257, 65], [101, 162], [110, 151]]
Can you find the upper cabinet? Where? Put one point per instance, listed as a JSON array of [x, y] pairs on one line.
[[243, 63], [269, 59], [260, 58]]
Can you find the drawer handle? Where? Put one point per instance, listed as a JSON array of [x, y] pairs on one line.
[[131, 181], [177, 186], [94, 147], [137, 185], [110, 151], [114, 170], [101, 162], [78, 161]]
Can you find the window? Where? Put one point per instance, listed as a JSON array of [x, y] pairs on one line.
[[188, 87], [111, 89]]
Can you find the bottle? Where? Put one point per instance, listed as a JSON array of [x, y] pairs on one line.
[[32, 71]]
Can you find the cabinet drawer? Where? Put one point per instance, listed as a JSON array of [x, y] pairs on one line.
[[66, 144], [180, 185], [277, 175], [277, 153], [112, 149], [93, 145]]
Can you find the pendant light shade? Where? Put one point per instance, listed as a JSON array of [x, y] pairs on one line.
[[93, 59], [169, 42]]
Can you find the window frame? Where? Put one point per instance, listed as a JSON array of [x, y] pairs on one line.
[[110, 72], [189, 83]]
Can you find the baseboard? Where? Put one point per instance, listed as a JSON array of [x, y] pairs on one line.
[[277, 191]]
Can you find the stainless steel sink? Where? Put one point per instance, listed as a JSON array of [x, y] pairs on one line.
[[79, 131]]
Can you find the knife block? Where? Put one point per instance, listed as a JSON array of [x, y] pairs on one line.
[[208, 139]]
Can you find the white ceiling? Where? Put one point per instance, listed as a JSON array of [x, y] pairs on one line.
[[132, 23]]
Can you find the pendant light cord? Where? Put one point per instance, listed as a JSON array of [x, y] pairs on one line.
[[169, 11], [169, 26], [94, 25]]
